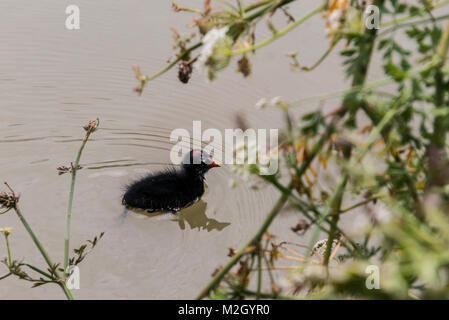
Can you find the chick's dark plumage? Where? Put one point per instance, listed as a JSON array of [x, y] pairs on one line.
[[172, 189]]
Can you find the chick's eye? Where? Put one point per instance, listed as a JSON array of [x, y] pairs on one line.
[[207, 160]]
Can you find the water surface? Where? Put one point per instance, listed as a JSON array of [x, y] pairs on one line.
[[52, 81]]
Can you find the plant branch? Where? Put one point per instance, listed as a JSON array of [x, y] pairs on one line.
[[90, 128], [248, 247], [282, 32], [44, 254]]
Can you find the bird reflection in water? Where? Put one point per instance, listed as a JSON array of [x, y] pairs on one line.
[[195, 216]]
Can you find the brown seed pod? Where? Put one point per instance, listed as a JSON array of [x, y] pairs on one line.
[[184, 71]]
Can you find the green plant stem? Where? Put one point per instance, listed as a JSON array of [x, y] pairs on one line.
[[256, 5], [361, 203], [5, 211], [338, 93], [272, 5], [443, 47], [70, 202], [359, 76], [8, 249], [266, 295], [408, 17], [323, 57], [412, 23], [439, 134], [5, 276], [335, 205], [281, 33], [172, 64], [44, 254], [259, 273], [39, 271], [249, 246], [305, 210], [365, 50]]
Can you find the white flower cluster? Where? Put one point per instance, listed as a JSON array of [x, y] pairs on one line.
[[274, 102], [215, 52], [252, 160]]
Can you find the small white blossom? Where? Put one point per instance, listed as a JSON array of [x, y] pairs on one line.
[[262, 103], [6, 230], [275, 101], [209, 60]]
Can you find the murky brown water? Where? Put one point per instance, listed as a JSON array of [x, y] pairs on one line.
[[52, 81]]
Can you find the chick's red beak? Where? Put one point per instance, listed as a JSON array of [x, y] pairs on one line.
[[213, 164]]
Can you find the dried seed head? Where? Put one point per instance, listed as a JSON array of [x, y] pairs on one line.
[[302, 226], [142, 79], [184, 71], [8, 200], [64, 169], [244, 66], [292, 54], [231, 252], [92, 126], [139, 75]]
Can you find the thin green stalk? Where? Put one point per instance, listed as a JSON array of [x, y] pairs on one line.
[[334, 207], [5, 276], [259, 273], [323, 57], [443, 47], [305, 211], [269, 7], [339, 93], [246, 249], [8, 249], [358, 80], [172, 64], [365, 50], [281, 33], [408, 17], [266, 295], [334, 204], [5, 211], [413, 23], [39, 271], [440, 90], [439, 132], [70, 202], [256, 5], [361, 203], [44, 254]]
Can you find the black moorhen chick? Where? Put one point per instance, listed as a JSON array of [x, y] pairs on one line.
[[173, 189]]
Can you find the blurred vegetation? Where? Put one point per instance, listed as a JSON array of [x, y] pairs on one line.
[[383, 150]]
